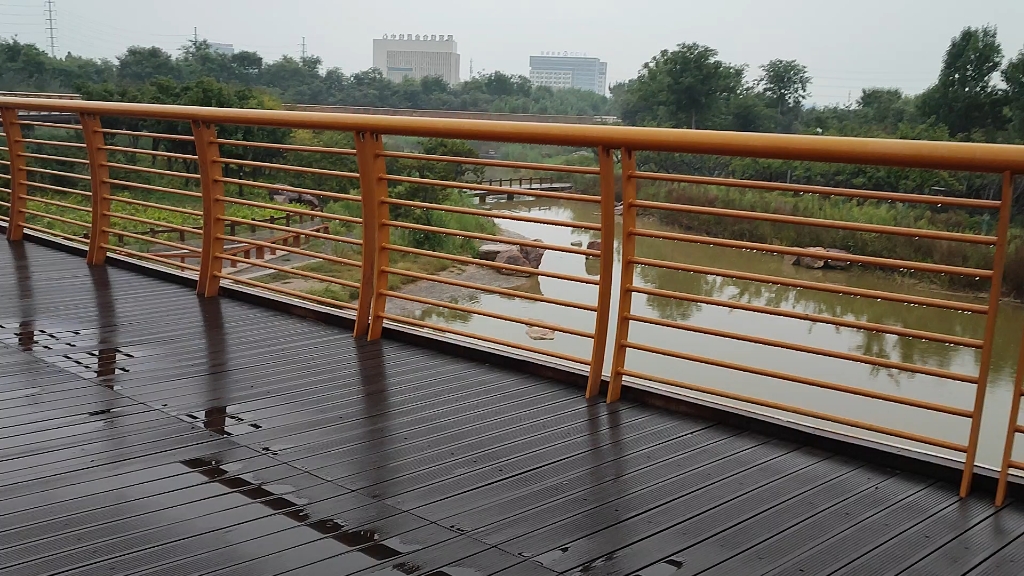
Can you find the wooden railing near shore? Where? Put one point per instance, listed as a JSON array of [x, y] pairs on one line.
[[375, 254]]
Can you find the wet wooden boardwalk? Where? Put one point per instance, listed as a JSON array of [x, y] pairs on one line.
[[146, 431]]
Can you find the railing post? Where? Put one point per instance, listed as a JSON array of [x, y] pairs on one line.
[[1011, 430], [374, 190], [604, 287], [210, 176], [625, 295], [99, 236], [996, 293], [19, 190]]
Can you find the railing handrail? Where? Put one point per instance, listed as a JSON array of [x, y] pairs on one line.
[[965, 156]]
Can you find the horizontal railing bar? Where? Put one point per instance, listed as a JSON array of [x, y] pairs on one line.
[[291, 249], [4, 163], [54, 233], [487, 313], [494, 289], [801, 411], [55, 217], [157, 153], [287, 208], [61, 204], [835, 321], [299, 169], [859, 358], [185, 229], [820, 190], [154, 135], [758, 247], [310, 233], [491, 214], [540, 167], [150, 256], [286, 291], [820, 286], [292, 147], [495, 265], [127, 184], [168, 243], [54, 158], [129, 167], [57, 173], [55, 188], [835, 224], [50, 125], [495, 239], [286, 270], [1016, 464], [484, 338], [816, 222], [965, 156], [52, 143], [176, 209], [497, 190], [287, 188], [1019, 428]]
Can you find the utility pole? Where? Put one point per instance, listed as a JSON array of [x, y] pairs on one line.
[[51, 28], [303, 46]]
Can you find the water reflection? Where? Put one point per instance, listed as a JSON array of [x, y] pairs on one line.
[[363, 541]]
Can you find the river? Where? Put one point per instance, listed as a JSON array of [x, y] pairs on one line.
[[953, 393]]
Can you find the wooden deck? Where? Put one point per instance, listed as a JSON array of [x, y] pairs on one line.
[[146, 431]]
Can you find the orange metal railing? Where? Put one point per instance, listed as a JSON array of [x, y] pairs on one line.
[[215, 167], [1013, 428]]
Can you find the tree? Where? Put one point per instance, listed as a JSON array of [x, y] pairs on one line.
[[1013, 77], [681, 88], [784, 83], [965, 98], [139, 64]]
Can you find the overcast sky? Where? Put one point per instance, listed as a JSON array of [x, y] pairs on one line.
[[847, 45]]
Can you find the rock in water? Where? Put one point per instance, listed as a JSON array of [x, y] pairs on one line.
[[577, 243], [491, 251], [594, 245], [533, 255], [512, 257], [813, 263], [837, 264], [790, 259], [540, 333]]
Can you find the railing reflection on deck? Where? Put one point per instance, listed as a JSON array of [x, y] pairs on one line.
[[206, 175]]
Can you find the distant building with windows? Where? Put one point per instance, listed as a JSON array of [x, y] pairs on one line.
[[219, 48], [400, 56], [569, 70]]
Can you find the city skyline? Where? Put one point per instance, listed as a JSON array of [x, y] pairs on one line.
[[879, 43]]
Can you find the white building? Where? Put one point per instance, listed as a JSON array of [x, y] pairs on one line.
[[219, 48], [416, 56], [569, 70]]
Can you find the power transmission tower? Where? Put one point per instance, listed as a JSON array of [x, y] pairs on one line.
[[470, 67], [303, 46], [51, 28], [195, 36]]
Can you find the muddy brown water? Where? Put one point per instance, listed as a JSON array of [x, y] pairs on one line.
[[953, 393]]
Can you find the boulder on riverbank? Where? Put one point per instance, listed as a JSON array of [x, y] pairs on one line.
[[524, 256], [536, 333], [814, 263], [490, 251]]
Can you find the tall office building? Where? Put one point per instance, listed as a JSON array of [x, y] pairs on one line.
[[417, 56], [569, 70], [221, 48]]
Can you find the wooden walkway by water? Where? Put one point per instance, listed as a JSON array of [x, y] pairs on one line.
[[144, 430]]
